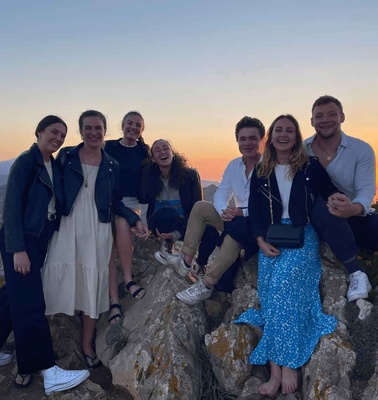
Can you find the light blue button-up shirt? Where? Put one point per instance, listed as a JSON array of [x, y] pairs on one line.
[[353, 170]]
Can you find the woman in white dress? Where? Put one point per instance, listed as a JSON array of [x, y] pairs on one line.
[[75, 276]]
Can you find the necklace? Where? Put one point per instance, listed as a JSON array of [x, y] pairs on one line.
[[127, 145], [87, 174], [326, 154]]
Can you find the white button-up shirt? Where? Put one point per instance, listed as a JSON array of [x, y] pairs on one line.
[[234, 184]]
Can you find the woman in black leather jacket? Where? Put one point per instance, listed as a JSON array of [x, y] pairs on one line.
[[76, 275], [31, 213]]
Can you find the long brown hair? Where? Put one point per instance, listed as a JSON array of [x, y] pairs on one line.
[[298, 156]]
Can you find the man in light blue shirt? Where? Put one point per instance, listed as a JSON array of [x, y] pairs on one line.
[[344, 221]]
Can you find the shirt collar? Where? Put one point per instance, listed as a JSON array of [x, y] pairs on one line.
[[344, 140]]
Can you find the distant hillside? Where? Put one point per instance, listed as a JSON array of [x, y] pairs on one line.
[[3, 179], [206, 183], [5, 166]]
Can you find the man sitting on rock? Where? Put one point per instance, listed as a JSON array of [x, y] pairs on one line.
[[231, 220], [349, 221]]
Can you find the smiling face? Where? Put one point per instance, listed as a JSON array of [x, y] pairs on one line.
[[51, 138], [93, 132], [284, 136], [162, 154], [249, 142], [132, 128], [327, 120]]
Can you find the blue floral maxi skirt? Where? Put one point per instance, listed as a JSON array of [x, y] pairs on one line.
[[291, 314]]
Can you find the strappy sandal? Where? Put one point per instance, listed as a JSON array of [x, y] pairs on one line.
[[139, 293], [24, 380], [92, 362], [117, 316]]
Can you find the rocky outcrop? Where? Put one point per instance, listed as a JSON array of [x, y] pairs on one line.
[[163, 348]]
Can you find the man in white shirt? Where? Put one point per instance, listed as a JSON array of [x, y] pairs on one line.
[[345, 221], [232, 220]]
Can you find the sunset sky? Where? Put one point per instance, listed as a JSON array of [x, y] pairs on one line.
[[192, 68]]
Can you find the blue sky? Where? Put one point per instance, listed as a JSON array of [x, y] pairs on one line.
[[193, 68]]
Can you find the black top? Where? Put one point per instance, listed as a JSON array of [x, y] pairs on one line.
[[130, 160]]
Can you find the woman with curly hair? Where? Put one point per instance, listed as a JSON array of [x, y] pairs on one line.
[[171, 188], [284, 187]]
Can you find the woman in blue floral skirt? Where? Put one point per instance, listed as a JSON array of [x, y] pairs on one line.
[[284, 187]]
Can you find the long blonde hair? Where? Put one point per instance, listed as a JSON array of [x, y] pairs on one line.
[[298, 156]]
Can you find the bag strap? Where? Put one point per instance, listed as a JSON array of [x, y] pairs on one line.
[[270, 202]]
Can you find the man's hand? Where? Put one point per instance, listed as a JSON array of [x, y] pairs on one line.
[[21, 262], [341, 206], [230, 213]]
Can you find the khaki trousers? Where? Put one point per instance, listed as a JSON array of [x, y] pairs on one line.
[[203, 212]]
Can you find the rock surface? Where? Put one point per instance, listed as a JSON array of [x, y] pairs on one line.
[[164, 349]]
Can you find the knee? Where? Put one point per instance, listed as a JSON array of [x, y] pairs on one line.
[[231, 244], [202, 208]]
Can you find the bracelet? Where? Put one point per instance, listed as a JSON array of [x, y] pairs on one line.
[[260, 240]]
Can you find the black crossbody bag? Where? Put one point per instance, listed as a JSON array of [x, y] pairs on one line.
[[282, 235]]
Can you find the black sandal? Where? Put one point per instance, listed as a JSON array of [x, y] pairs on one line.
[[25, 381], [139, 293], [92, 362], [115, 316]]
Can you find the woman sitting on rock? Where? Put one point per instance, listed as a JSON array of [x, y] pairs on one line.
[[130, 152], [283, 188], [171, 188]]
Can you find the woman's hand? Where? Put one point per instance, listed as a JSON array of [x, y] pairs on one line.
[[21, 262], [267, 248], [141, 230], [165, 236]]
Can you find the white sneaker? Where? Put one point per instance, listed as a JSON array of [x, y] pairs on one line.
[[5, 358], [175, 260], [359, 286], [195, 293], [56, 379], [166, 247]]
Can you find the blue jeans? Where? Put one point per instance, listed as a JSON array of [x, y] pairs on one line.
[[166, 220]]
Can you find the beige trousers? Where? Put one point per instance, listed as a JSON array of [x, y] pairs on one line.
[[203, 212]]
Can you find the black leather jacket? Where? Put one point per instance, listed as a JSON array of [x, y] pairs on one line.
[[27, 198], [310, 181], [107, 188]]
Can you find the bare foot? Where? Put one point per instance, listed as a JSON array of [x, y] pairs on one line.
[[271, 387], [289, 380]]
